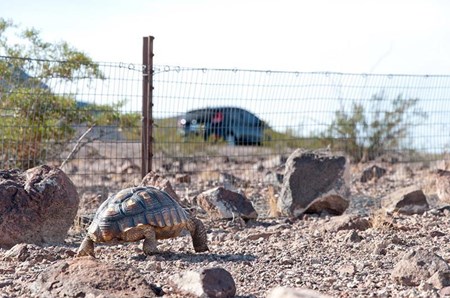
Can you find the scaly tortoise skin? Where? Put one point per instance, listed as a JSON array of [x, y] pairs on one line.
[[139, 213]]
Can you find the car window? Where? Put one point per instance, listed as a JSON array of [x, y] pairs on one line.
[[250, 119], [230, 116], [200, 116]]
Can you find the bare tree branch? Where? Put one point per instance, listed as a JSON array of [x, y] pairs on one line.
[[77, 147]]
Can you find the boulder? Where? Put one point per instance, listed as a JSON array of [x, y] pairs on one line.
[[409, 200], [221, 203], [419, 265], [314, 182], [207, 282], [36, 206], [443, 186], [87, 277]]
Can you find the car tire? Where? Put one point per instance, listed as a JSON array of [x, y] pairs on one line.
[[206, 134]]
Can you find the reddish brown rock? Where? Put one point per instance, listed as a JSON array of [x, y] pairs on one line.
[[36, 206], [85, 276]]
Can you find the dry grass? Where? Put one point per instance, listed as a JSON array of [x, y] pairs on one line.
[[381, 220], [272, 200], [208, 175]]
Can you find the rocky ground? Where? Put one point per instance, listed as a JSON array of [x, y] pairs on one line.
[[353, 255]]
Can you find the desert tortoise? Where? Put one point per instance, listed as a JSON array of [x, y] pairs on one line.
[[139, 213]]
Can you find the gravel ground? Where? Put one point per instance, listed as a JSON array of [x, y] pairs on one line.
[[270, 252]]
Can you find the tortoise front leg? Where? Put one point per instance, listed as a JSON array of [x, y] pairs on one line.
[[149, 245], [86, 248], [198, 234]]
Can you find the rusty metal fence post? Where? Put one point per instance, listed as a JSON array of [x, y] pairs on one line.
[[147, 105]]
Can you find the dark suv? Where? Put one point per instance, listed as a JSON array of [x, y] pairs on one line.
[[234, 125]]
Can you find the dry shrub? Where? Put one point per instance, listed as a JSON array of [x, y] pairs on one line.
[[273, 202], [209, 175], [381, 220]]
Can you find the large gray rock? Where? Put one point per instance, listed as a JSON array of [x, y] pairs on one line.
[[314, 182], [207, 282], [221, 203], [409, 200], [36, 206], [419, 265]]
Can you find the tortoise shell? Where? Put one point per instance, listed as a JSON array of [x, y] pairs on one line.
[[124, 213]]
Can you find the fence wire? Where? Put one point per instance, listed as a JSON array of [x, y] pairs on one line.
[[366, 115], [89, 123]]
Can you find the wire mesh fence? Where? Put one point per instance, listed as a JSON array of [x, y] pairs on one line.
[[366, 116], [210, 120], [83, 118]]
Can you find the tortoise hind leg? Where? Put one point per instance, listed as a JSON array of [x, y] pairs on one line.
[[198, 234], [149, 246], [86, 248]]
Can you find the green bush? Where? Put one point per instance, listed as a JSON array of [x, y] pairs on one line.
[[38, 125], [31, 119], [365, 134], [131, 125]]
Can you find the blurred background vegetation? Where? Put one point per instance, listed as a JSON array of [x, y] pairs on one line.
[[38, 124]]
